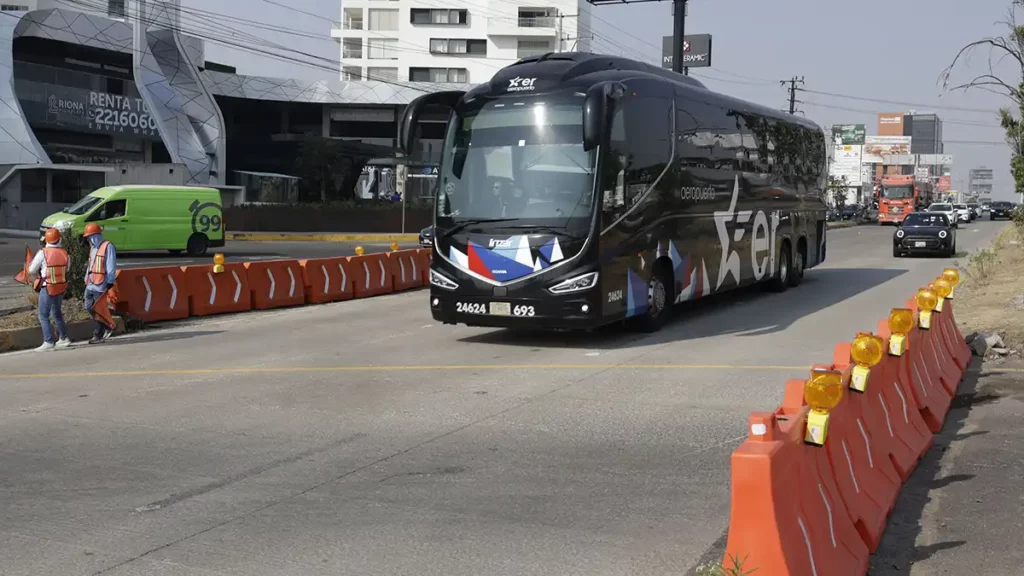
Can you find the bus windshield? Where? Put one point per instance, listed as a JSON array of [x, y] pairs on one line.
[[517, 162], [902, 192]]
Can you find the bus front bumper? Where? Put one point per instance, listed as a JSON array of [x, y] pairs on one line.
[[577, 312]]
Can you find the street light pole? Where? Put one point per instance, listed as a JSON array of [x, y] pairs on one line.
[[678, 32]]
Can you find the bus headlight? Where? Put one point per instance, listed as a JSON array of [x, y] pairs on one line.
[[441, 281], [576, 284]]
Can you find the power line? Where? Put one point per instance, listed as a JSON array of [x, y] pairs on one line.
[[899, 103]]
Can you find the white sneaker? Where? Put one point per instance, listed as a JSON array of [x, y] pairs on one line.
[[63, 343], [45, 347]]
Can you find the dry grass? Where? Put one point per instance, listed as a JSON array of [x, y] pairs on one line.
[[732, 567], [991, 295], [72, 309]]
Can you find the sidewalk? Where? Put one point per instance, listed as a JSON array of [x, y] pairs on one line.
[[11, 233], [962, 511], [321, 237]]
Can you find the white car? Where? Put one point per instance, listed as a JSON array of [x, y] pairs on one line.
[[948, 209], [963, 212]]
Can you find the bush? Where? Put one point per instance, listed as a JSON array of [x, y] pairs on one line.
[[980, 265], [1018, 220], [78, 261], [736, 568]]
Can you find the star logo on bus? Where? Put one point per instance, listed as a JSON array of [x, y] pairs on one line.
[[730, 229]]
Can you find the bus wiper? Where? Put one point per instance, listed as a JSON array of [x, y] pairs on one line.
[[539, 229], [462, 225]]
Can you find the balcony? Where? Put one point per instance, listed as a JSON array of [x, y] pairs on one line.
[[524, 26]]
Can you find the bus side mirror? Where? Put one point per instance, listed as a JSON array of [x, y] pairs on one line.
[[411, 116], [597, 107]]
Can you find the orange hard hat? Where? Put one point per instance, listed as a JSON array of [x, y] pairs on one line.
[[92, 228], [52, 236]]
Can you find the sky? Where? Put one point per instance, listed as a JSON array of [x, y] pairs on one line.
[[892, 50]]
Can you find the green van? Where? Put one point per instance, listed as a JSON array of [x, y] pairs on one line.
[[143, 217]]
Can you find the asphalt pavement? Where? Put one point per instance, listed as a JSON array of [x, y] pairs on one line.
[[363, 438], [12, 257]]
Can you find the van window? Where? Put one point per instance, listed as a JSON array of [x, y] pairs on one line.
[[110, 210], [83, 205]]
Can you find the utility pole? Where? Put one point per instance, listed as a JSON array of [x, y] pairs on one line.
[[792, 91], [678, 33]]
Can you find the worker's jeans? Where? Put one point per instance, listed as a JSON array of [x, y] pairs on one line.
[[51, 305], [91, 296]]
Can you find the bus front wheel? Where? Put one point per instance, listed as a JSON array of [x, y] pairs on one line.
[[659, 300], [785, 271]]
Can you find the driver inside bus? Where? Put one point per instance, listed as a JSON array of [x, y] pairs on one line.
[[508, 198]]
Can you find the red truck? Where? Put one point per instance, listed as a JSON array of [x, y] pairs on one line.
[[899, 195]]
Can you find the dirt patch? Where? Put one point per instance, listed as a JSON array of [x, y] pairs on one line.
[[72, 309], [991, 294]]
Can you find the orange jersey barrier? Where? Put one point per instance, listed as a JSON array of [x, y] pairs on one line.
[[426, 256], [211, 292], [371, 275], [814, 483], [406, 269], [275, 283], [152, 294], [327, 279], [786, 514]]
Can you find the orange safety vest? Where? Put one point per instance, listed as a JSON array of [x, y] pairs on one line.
[[98, 266], [56, 270]]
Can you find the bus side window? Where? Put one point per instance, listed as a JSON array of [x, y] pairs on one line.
[[640, 148]]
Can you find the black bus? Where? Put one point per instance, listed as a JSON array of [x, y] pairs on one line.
[[576, 190]]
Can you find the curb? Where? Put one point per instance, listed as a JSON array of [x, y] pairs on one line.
[[318, 237], [10, 233], [28, 338]]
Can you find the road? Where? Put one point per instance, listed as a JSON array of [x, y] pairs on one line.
[[363, 438], [12, 256]]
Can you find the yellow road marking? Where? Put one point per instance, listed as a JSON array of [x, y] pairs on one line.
[[395, 368]]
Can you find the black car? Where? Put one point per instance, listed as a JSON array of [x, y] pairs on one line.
[[924, 233], [427, 236], [1000, 210]]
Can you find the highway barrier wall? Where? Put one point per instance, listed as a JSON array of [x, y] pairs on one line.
[[178, 292], [815, 481]]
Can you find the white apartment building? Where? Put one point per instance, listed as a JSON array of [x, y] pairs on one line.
[[465, 41]]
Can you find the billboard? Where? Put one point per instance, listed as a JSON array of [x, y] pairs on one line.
[[848, 134], [877, 147], [846, 163], [890, 124], [935, 159], [67, 108], [944, 183], [696, 51]]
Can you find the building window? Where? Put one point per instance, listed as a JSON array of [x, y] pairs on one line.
[[33, 186], [456, 46], [115, 9], [528, 48], [439, 75], [537, 17], [382, 74], [352, 48], [351, 73], [17, 8], [353, 19], [383, 20], [438, 17], [382, 49]]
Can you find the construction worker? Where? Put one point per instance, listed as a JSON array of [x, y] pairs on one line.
[[50, 267], [99, 275]]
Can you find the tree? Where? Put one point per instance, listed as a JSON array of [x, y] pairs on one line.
[[836, 191], [1010, 47]]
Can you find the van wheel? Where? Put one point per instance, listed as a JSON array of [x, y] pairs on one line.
[[782, 277], [198, 244]]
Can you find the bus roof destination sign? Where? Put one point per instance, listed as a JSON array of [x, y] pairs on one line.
[[696, 51]]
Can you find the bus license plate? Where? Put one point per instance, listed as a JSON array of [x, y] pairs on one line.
[[501, 309], [919, 244]]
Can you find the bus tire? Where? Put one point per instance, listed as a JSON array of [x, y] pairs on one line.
[[660, 300], [780, 281], [197, 245], [799, 263]]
